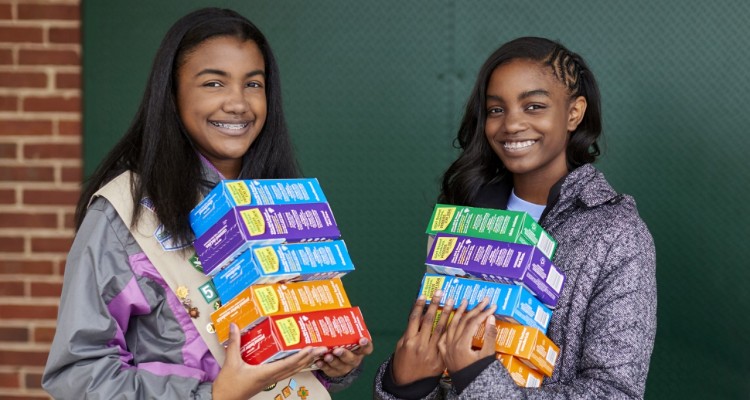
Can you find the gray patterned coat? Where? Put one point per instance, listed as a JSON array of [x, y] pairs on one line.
[[605, 322]]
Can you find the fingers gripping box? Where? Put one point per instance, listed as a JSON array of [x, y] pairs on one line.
[[527, 344], [497, 261], [259, 301], [283, 263], [250, 226], [514, 303], [232, 193], [520, 372], [277, 337], [488, 223]]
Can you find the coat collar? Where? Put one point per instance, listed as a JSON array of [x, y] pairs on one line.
[[584, 185]]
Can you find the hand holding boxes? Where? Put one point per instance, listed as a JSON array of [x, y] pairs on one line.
[[506, 257], [271, 248]]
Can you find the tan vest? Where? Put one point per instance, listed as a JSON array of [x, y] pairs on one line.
[[177, 271]]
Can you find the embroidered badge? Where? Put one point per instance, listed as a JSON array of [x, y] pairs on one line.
[[146, 202], [208, 291], [196, 263], [165, 240], [183, 294]]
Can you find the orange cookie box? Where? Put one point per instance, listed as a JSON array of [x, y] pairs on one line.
[[521, 373], [280, 336], [259, 301], [528, 344]]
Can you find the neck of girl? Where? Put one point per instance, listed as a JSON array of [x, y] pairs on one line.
[[535, 189]]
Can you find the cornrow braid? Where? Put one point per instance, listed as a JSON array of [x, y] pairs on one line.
[[566, 68]]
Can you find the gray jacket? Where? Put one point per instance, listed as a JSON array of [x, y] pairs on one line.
[[605, 323]]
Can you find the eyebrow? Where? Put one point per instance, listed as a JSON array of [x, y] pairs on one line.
[[524, 95], [210, 71]]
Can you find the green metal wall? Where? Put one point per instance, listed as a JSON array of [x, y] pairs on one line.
[[374, 91]]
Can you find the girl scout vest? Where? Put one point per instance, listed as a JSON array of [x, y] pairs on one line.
[[179, 274]]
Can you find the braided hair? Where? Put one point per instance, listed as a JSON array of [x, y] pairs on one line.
[[477, 164]]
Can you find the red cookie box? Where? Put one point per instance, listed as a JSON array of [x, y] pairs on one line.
[[280, 336]]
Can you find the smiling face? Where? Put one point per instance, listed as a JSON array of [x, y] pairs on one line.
[[221, 98], [530, 114]]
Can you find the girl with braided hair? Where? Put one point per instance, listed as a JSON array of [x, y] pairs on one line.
[[528, 139]]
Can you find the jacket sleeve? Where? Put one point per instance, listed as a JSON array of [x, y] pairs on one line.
[[89, 357], [380, 393], [617, 339], [340, 383]]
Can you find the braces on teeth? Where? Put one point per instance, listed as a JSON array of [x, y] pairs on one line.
[[229, 126]]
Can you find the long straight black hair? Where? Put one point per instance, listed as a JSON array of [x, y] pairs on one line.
[[477, 164], [157, 148]]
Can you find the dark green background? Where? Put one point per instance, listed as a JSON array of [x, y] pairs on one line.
[[374, 92]]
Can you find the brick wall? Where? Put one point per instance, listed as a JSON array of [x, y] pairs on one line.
[[40, 172]]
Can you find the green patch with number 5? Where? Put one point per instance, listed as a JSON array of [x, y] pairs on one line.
[[208, 291]]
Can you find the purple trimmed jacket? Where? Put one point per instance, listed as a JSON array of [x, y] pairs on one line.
[[121, 331]]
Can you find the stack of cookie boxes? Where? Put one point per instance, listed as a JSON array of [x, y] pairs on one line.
[[273, 251], [505, 256]]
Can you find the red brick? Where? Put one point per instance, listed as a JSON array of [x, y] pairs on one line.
[[6, 56], [35, 174], [6, 11], [46, 289], [68, 80], [69, 128], [36, 396], [53, 104], [8, 103], [10, 334], [24, 397], [19, 34], [27, 220], [72, 174], [43, 334], [11, 244], [7, 196], [26, 267], [33, 395], [65, 35], [48, 11], [9, 380], [33, 380], [51, 244], [8, 150], [58, 150], [23, 80], [19, 127], [15, 357], [48, 57], [51, 197], [69, 221], [12, 288], [23, 311]]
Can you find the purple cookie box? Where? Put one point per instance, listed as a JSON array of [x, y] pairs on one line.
[[498, 261], [284, 223]]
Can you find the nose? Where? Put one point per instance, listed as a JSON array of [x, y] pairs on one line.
[[514, 122], [235, 102]]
